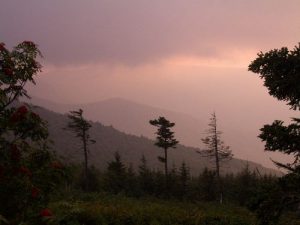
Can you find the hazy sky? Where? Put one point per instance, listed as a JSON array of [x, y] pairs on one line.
[[185, 55]]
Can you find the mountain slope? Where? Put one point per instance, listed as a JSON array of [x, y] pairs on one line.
[[133, 118], [240, 131], [130, 147]]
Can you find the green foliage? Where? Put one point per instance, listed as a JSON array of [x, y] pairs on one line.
[[164, 139], [80, 127], [207, 185], [281, 73], [29, 173], [285, 139], [145, 178], [115, 176], [120, 210]]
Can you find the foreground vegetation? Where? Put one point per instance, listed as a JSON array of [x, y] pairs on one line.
[[104, 208], [116, 209]]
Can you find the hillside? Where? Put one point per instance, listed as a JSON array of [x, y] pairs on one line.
[[131, 147], [132, 118]]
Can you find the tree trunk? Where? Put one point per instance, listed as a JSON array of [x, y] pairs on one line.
[[166, 169], [86, 185], [166, 162], [219, 185]]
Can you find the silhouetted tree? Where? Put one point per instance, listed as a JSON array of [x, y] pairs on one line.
[[164, 139], [146, 181], [184, 177], [246, 183], [80, 127], [280, 70], [115, 177], [207, 185], [216, 150]]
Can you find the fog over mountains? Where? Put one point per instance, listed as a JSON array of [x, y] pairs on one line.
[[115, 115]]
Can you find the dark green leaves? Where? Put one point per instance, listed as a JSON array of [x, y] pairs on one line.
[[285, 139], [165, 137], [280, 69]]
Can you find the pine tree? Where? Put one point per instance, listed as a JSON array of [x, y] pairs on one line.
[[207, 185], [184, 177], [216, 150], [80, 127], [165, 138], [145, 177], [115, 179]]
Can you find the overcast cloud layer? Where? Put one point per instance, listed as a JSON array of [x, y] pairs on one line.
[[142, 31]]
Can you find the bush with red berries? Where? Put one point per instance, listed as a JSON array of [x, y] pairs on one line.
[[29, 172]]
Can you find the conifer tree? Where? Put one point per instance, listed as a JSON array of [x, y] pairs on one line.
[[184, 177], [280, 70], [115, 179], [80, 127], [164, 139], [145, 177], [216, 150]]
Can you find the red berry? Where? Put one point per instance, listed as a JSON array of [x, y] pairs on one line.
[[56, 165], [2, 47], [22, 110], [24, 170], [35, 192], [8, 71], [46, 213], [15, 153], [14, 118]]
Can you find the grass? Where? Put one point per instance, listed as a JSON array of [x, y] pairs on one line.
[[105, 209]]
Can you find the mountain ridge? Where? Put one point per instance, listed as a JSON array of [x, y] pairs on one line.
[[131, 148], [133, 118]]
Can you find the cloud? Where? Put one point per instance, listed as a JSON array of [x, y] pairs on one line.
[[134, 32]]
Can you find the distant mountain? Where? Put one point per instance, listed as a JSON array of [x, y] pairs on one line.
[[240, 132], [133, 118], [131, 148]]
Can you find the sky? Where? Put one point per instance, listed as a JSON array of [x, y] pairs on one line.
[[189, 56]]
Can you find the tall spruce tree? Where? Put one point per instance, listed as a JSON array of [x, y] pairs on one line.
[[216, 150], [164, 139], [80, 127], [115, 178]]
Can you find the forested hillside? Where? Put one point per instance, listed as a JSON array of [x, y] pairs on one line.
[[130, 147]]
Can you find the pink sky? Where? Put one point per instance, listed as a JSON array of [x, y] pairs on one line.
[[189, 56]]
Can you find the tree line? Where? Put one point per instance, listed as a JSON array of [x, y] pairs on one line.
[[119, 178]]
